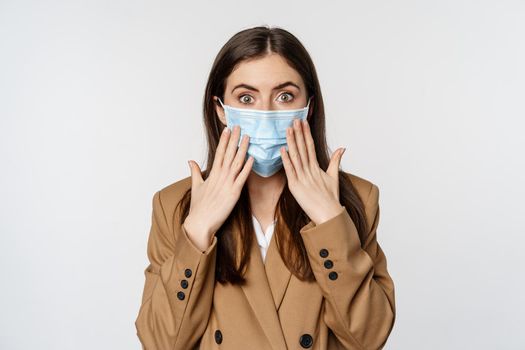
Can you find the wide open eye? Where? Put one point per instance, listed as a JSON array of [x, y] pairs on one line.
[[288, 97], [245, 99]]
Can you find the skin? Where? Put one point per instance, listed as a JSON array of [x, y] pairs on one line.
[[316, 191]]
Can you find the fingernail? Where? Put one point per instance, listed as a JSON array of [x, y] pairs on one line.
[[344, 149], [189, 164]]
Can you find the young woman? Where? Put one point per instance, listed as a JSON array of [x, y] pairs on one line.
[[271, 246]]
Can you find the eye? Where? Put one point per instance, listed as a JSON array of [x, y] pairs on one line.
[[245, 99], [287, 99]]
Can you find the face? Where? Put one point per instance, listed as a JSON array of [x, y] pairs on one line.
[[268, 83]]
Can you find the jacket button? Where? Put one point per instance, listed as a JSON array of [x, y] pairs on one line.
[[218, 336], [328, 264], [323, 253], [180, 295], [187, 273], [332, 275], [184, 284], [306, 340]]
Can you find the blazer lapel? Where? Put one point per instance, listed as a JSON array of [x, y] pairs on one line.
[[277, 273], [259, 295]]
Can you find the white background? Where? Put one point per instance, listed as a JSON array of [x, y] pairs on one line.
[[100, 105]]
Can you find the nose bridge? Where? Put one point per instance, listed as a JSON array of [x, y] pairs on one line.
[[267, 103]]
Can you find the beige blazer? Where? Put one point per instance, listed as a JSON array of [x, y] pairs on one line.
[[349, 306]]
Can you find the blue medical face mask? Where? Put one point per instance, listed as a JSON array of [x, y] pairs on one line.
[[267, 131]]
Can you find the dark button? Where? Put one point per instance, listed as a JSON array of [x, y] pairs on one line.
[[180, 295], [187, 273], [218, 336], [184, 284], [306, 340], [328, 264], [332, 275], [323, 253]]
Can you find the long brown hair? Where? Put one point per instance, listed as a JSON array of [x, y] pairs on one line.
[[233, 253]]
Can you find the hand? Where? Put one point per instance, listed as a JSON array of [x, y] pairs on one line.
[[316, 191], [213, 200]]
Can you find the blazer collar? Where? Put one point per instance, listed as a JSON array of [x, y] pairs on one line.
[[277, 273], [265, 287]]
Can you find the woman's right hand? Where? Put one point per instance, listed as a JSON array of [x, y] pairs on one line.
[[213, 200]]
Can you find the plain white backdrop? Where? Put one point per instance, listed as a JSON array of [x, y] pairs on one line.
[[100, 106]]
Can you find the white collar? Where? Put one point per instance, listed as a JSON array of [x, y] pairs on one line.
[[263, 238]]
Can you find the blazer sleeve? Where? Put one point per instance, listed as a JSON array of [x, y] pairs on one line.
[[178, 290], [358, 291]]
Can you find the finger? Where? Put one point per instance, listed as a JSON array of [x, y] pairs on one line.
[[335, 161], [293, 153], [233, 144], [243, 175], [310, 144], [221, 147], [287, 164], [196, 175], [299, 140], [238, 161]]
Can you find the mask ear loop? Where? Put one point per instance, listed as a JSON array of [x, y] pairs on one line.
[[308, 106], [309, 99], [226, 114]]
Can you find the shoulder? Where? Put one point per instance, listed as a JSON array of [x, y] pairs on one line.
[[366, 189], [170, 194]]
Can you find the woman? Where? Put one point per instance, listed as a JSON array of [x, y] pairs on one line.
[[272, 247]]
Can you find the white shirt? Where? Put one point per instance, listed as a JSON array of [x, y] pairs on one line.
[[263, 238]]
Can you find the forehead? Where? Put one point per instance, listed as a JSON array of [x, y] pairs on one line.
[[264, 73]]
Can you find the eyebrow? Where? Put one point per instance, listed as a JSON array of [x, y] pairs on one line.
[[280, 86]]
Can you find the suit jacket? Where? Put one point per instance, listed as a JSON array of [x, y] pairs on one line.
[[349, 306]]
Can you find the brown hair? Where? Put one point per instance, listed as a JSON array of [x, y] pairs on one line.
[[233, 253]]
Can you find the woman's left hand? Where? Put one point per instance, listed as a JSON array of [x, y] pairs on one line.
[[316, 191]]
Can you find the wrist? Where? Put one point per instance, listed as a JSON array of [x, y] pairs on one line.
[[199, 235]]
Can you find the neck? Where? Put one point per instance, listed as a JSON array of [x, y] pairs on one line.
[[265, 191]]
